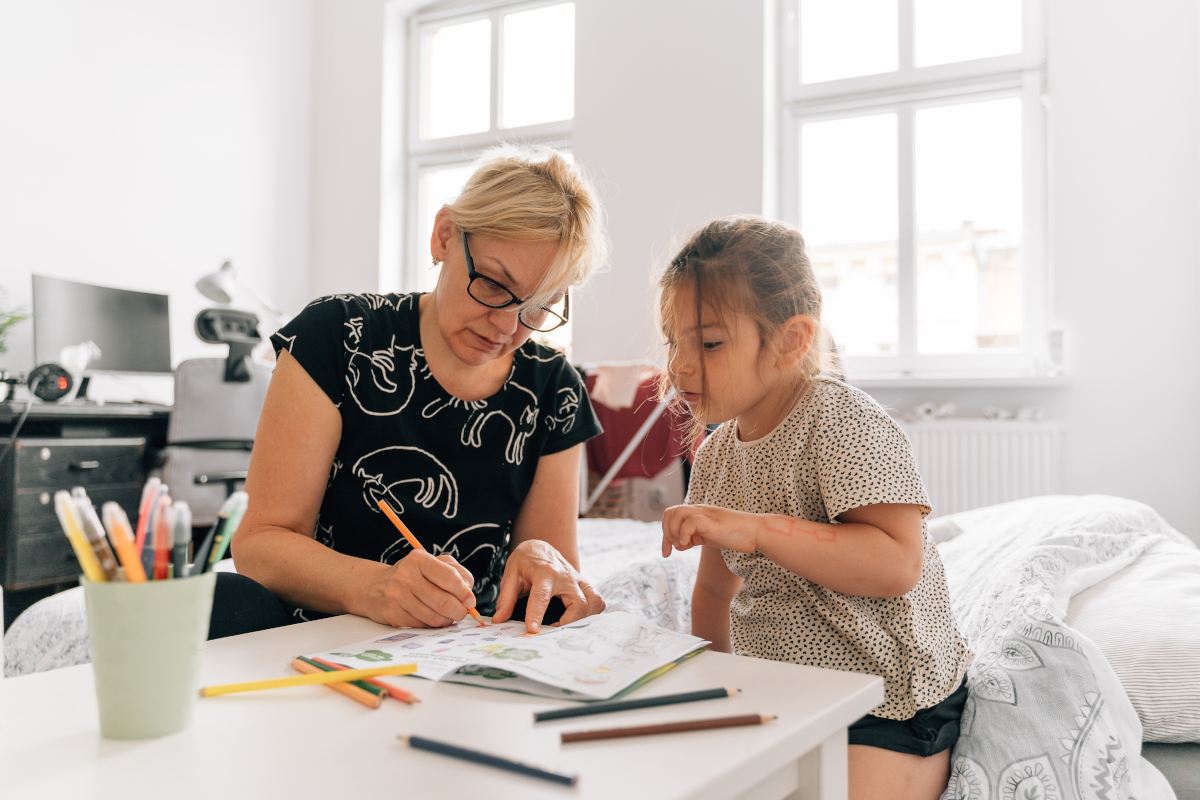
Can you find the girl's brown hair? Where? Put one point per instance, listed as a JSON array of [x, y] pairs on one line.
[[754, 266]]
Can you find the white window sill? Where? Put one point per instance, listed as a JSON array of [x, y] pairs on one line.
[[959, 381]]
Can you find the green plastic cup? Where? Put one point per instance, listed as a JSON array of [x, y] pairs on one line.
[[147, 642]]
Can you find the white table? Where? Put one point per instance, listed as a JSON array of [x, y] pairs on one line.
[[309, 742]]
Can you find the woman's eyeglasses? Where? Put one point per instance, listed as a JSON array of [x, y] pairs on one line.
[[485, 291]]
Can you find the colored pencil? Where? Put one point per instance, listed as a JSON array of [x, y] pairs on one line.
[[200, 561], [667, 727], [366, 687], [412, 540], [236, 504], [149, 493], [68, 517], [164, 537], [395, 691], [354, 692], [319, 678], [94, 532], [181, 523], [499, 762], [117, 525], [146, 551], [627, 705]]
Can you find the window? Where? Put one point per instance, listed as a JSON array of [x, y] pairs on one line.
[[913, 159], [499, 74]]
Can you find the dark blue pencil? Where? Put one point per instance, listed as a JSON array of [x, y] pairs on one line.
[[626, 705], [454, 751]]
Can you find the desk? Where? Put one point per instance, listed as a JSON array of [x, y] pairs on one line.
[[309, 742], [106, 448]]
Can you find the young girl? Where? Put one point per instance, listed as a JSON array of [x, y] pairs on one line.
[[807, 504]]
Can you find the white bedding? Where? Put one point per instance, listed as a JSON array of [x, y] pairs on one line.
[[623, 559], [1146, 621], [1046, 716]]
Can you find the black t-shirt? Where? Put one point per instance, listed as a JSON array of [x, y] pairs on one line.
[[455, 472]]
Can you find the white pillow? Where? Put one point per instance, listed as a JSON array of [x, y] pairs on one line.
[[1146, 620]]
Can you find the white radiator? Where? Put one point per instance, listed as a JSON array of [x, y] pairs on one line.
[[969, 463]]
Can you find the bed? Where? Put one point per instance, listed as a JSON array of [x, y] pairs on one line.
[[1084, 613]]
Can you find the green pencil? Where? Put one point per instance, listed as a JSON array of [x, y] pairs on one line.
[[375, 690]]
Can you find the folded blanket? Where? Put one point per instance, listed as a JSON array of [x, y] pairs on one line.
[[1046, 717]]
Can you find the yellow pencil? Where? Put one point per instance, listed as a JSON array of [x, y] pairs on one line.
[[316, 679], [412, 540], [68, 517]]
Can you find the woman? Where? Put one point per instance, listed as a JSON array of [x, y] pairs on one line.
[[439, 405]]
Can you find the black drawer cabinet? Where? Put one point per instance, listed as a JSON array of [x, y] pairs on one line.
[[82, 462], [33, 549]]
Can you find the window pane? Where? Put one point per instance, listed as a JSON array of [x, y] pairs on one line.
[[539, 66], [960, 30], [439, 185], [847, 38], [848, 207], [457, 70], [968, 208]]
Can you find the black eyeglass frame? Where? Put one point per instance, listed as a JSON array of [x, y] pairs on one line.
[[473, 276]]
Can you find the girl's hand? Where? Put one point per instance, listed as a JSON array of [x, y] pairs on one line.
[[685, 527], [421, 591], [535, 568]]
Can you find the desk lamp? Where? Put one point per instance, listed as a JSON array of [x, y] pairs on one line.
[[219, 287]]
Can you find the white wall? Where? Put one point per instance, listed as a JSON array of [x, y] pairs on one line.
[[144, 141], [348, 83], [669, 117]]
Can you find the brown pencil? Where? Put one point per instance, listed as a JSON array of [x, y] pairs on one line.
[[667, 727], [366, 698]]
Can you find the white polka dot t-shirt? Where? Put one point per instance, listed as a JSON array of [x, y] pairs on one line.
[[837, 449]]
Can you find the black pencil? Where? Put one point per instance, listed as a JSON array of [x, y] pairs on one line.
[[200, 557], [626, 705], [454, 751]]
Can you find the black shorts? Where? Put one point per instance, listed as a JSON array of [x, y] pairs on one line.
[[930, 731]]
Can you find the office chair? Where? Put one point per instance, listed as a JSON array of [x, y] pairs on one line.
[[217, 405]]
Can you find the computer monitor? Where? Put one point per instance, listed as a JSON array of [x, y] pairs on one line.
[[132, 329]]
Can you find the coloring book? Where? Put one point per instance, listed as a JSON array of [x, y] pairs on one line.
[[591, 659]]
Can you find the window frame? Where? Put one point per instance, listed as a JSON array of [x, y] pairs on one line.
[[423, 154], [904, 92]]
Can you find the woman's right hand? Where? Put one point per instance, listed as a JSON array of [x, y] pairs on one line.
[[421, 591]]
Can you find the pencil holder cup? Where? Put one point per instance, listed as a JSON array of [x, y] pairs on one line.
[[147, 641]]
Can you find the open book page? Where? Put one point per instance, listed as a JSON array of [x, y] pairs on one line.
[[591, 659]]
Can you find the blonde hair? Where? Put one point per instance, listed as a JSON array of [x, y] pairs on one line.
[[754, 266], [535, 194]]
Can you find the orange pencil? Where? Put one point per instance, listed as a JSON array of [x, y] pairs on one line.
[[163, 538], [366, 698], [412, 540], [395, 691], [122, 538]]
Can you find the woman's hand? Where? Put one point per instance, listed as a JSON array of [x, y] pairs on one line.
[[537, 569], [685, 527], [421, 591]]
